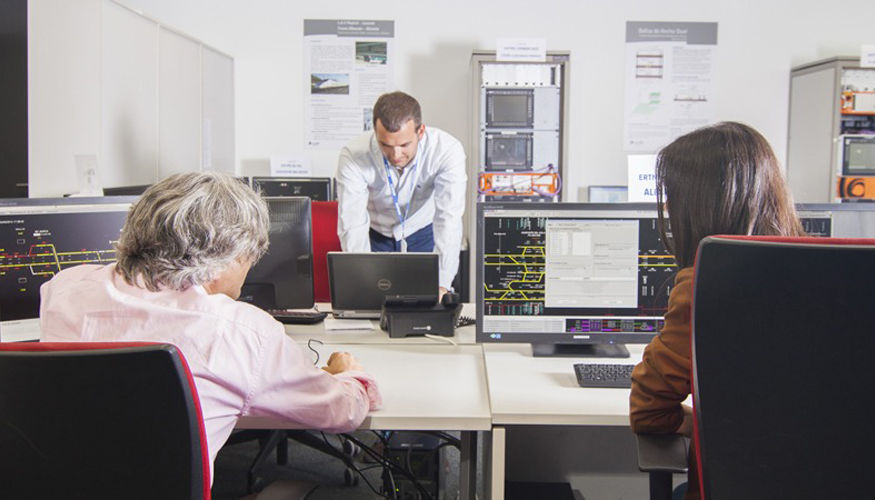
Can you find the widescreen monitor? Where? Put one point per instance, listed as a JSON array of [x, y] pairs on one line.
[[315, 188], [283, 278], [40, 237], [582, 279], [125, 190]]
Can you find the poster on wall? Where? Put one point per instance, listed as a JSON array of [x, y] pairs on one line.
[[670, 81], [347, 65]]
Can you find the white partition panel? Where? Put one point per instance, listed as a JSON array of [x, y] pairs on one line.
[[218, 111], [129, 97], [179, 103]]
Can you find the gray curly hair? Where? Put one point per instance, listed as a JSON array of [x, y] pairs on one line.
[[187, 229]]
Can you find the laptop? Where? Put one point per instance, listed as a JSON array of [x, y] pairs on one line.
[[360, 282]]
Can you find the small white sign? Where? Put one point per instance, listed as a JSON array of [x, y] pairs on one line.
[[867, 56], [88, 175], [290, 166], [521, 49], [642, 178]]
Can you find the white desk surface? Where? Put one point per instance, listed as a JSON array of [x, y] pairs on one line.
[[525, 390], [462, 336], [424, 387]]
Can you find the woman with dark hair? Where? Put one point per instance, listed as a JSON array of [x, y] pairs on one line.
[[722, 179]]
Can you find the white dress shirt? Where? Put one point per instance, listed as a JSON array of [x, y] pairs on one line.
[[240, 358], [431, 190]]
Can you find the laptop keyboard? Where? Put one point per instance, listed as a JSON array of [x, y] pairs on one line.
[[295, 317], [604, 375]]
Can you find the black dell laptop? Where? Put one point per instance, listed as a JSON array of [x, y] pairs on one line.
[[360, 282]]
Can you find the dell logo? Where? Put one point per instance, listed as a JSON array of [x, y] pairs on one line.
[[384, 284]]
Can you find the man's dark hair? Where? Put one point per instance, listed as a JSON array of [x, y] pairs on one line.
[[394, 109]]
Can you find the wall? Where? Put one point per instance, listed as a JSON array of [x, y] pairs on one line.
[[106, 80], [758, 44]]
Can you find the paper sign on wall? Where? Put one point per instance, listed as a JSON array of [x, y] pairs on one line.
[[867, 56], [642, 178], [347, 65], [290, 166], [521, 49], [670, 82]]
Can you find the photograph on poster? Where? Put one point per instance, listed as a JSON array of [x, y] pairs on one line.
[[329, 83], [367, 119], [370, 52]]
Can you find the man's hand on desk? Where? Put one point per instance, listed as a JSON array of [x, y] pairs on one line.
[[340, 362], [441, 292]]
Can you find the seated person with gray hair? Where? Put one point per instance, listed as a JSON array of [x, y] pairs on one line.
[[183, 255]]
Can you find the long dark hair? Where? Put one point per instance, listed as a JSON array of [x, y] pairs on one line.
[[721, 179]]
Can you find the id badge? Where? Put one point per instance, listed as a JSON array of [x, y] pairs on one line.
[[404, 245]]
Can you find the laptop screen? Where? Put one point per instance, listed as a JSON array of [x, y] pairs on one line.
[[361, 281]]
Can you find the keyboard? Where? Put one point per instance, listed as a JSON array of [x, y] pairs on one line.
[[603, 375], [295, 317]]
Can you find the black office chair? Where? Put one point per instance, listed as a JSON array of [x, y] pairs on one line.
[[100, 421], [782, 349]]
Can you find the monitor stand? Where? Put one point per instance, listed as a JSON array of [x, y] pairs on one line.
[[581, 350]]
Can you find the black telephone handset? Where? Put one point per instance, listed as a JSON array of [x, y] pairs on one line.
[[452, 300]]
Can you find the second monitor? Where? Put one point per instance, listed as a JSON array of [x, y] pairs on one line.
[[315, 188], [283, 278], [582, 279]]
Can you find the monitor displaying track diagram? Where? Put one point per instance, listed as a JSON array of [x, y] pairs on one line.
[[41, 237], [578, 278]]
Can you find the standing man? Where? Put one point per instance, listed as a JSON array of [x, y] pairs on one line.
[[401, 188]]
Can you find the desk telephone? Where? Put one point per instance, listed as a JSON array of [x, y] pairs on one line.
[[406, 315]]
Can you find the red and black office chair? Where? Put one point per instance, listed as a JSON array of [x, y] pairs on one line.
[[782, 347], [325, 240], [100, 421]]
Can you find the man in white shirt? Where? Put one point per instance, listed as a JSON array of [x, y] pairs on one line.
[[401, 187]]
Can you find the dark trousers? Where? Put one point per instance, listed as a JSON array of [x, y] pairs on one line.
[[420, 241]]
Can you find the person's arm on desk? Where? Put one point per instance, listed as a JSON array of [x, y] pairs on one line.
[[289, 387], [340, 362]]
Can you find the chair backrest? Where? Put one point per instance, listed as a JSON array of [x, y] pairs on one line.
[[324, 240], [782, 349], [100, 421]]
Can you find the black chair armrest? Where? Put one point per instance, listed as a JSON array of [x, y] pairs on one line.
[[662, 453]]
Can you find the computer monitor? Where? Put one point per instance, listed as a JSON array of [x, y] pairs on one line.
[[510, 108], [608, 194], [509, 151], [582, 279], [40, 237], [125, 190], [315, 188], [283, 278]]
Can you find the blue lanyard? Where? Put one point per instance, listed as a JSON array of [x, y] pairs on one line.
[[402, 218]]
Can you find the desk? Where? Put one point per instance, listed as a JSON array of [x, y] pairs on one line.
[[424, 387], [524, 390], [302, 333]]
